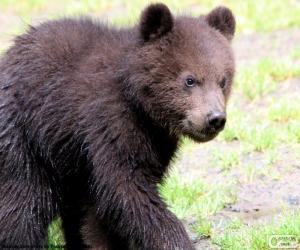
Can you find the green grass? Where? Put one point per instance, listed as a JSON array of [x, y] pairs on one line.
[[256, 118], [238, 236], [256, 135], [261, 78], [295, 54], [55, 235], [195, 198], [226, 161], [284, 111]]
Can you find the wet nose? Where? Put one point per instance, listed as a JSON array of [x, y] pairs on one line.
[[216, 120]]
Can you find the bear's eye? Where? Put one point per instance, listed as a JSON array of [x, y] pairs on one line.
[[223, 83], [190, 81]]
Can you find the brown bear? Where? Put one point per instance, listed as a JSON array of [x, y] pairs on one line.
[[90, 117]]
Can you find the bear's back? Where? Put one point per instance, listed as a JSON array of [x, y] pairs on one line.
[[61, 45], [55, 73]]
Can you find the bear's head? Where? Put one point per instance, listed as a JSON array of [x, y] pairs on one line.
[[180, 70]]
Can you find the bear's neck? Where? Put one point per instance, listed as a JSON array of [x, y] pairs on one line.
[[159, 144], [160, 137]]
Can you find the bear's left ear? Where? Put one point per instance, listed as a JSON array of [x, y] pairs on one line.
[[156, 20], [222, 19]]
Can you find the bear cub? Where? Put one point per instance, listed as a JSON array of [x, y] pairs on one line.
[[90, 117]]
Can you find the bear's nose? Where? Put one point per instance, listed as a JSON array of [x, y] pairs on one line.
[[216, 120]]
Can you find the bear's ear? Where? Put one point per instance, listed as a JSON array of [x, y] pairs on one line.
[[156, 20], [222, 19]]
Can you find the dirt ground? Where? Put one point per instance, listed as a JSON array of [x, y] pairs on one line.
[[277, 44]]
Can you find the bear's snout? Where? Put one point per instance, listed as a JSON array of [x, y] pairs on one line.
[[216, 121], [203, 127]]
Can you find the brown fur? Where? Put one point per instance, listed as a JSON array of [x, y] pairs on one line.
[[90, 117]]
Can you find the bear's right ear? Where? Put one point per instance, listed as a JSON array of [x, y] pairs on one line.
[[156, 20], [222, 19]]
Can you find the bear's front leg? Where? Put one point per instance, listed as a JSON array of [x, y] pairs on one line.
[[130, 208], [97, 236]]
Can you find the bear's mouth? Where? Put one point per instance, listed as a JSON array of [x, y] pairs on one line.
[[203, 135]]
